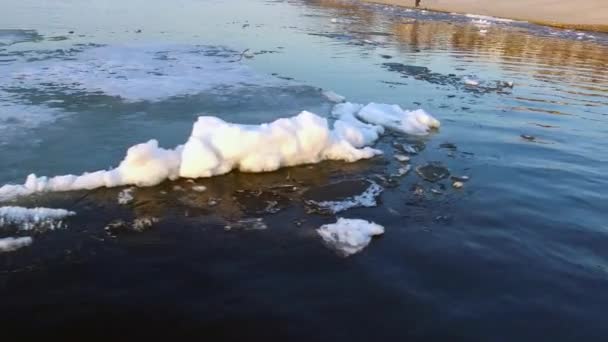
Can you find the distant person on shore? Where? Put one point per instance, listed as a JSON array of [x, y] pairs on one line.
[[417, 3]]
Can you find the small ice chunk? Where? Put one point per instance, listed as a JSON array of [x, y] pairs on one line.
[[471, 81], [407, 148], [247, 224], [33, 218], [481, 22], [457, 185], [138, 225], [402, 171], [402, 157], [333, 97], [460, 178], [199, 188], [528, 137], [11, 244], [141, 224], [349, 236], [416, 122], [125, 196], [366, 199]]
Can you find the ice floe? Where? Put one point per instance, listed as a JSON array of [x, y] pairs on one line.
[[349, 236], [417, 122], [11, 244], [216, 147], [33, 218]]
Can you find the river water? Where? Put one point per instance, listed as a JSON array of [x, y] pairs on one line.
[[520, 252]]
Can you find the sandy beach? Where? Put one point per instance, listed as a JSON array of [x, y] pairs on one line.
[[582, 14]]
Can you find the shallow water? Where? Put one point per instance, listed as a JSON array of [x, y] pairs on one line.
[[519, 253]]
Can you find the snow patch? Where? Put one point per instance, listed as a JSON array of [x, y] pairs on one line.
[[11, 244], [33, 218], [349, 236]]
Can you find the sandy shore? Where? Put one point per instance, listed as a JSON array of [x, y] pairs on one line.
[[581, 14]]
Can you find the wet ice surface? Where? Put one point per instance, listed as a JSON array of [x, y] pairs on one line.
[[517, 247]]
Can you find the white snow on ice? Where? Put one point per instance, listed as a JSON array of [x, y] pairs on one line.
[[349, 236], [33, 218], [216, 147], [11, 244]]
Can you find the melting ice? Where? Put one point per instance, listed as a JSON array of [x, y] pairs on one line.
[[349, 236], [216, 147]]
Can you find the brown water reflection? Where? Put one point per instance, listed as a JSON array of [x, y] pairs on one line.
[[554, 69]]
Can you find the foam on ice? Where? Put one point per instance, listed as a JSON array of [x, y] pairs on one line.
[[216, 147], [11, 244], [349, 236]]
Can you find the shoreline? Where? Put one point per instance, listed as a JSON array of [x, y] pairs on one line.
[[588, 15]]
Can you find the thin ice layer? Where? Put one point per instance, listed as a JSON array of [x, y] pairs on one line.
[[216, 147], [33, 218], [135, 72], [11, 244], [349, 236]]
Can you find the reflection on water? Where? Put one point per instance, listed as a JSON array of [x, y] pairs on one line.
[[571, 71]]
